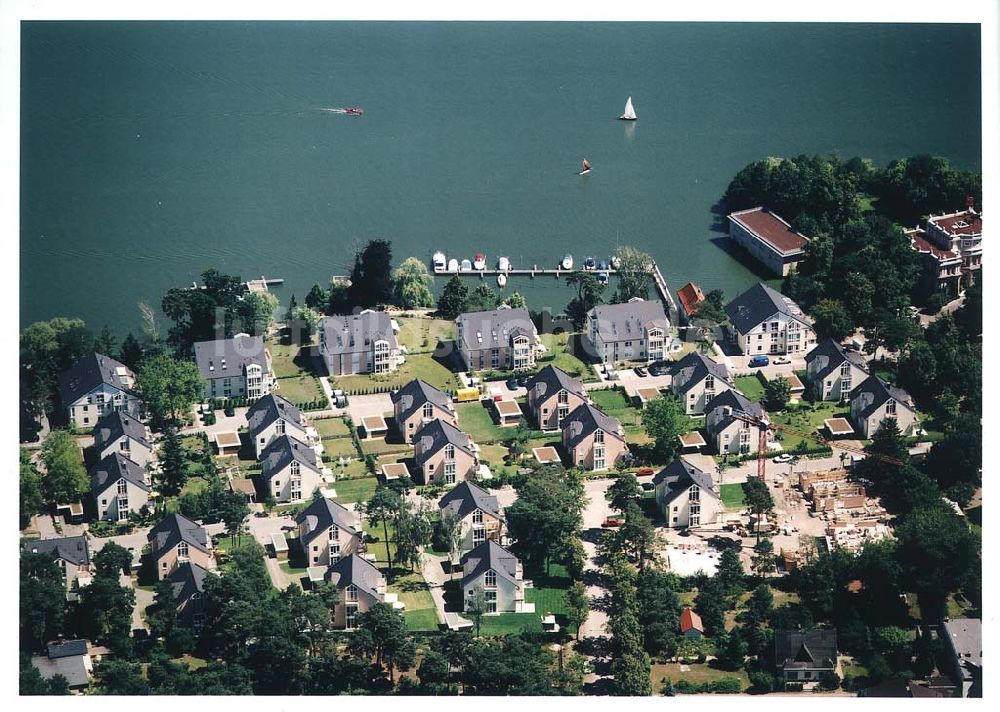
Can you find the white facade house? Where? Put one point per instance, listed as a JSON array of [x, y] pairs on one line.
[[728, 434], [290, 470], [764, 321], [497, 572], [119, 432], [271, 417], [501, 339], [239, 367], [696, 380], [119, 487], [358, 343], [95, 386], [834, 371], [328, 532], [874, 400], [637, 330], [687, 496], [479, 514]]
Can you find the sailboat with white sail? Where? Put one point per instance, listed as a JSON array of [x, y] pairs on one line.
[[629, 114]]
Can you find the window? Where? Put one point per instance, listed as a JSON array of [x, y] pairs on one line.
[[296, 468], [491, 601], [491, 579], [449, 452], [334, 533], [599, 461], [122, 509], [182, 550], [496, 358], [478, 536], [351, 615], [477, 517], [563, 397], [124, 445], [450, 471], [280, 427], [598, 436], [296, 491], [428, 411], [334, 553], [694, 494], [709, 383], [351, 593], [122, 487], [890, 407]]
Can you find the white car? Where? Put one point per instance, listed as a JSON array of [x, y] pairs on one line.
[[782, 458], [781, 360]]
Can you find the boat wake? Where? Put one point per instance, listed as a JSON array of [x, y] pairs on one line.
[[331, 110]]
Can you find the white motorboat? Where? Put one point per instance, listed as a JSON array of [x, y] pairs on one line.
[[629, 114], [567, 261], [439, 260], [479, 261], [503, 264], [616, 262], [466, 266], [502, 280], [453, 265]]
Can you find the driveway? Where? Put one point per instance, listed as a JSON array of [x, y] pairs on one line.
[[223, 423], [433, 572], [278, 577], [359, 407], [263, 527], [593, 629], [134, 541]]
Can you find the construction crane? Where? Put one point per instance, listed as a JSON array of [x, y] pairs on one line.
[[763, 425]]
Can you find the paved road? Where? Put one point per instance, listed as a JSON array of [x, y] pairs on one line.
[[263, 527], [278, 577], [433, 573], [594, 627]]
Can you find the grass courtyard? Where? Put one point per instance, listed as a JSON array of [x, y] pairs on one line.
[[421, 366], [419, 614], [559, 355], [421, 335], [732, 496], [751, 387]]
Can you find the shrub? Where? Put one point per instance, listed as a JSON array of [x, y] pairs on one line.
[[829, 680], [761, 681]]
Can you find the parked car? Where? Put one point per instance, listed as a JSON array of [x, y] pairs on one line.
[[648, 486], [758, 361], [230, 411], [645, 472], [782, 360], [656, 369], [523, 381], [641, 372], [612, 522], [512, 384], [782, 458]]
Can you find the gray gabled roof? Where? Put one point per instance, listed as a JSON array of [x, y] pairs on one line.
[[873, 392], [116, 424], [966, 636], [679, 475], [620, 322], [187, 580], [73, 549], [758, 304], [415, 394], [829, 355], [494, 329], [113, 468], [91, 372], [435, 435], [486, 556], [351, 333], [718, 411], [65, 648], [283, 450], [174, 529], [467, 497], [816, 648], [321, 514], [356, 570], [585, 419], [551, 380], [229, 357], [268, 409], [694, 367]]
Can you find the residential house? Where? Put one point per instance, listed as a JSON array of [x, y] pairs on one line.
[[804, 655], [239, 367], [95, 386], [418, 403], [952, 246], [634, 331], [833, 371], [290, 470], [873, 400], [479, 514], [188, 581], [72, 555], [767, 237], [358, 343], [502, 339], [592, 439], [688, 298], [72, 659], [177, 540], [686, 495], [328, 532], [696, 379], [964, 644], [728, 434], [443, 453], [691, 625], [360, 586], [765, 321], [120, 432], [552, 395], [271, 417], [119, 487], [497, 572]]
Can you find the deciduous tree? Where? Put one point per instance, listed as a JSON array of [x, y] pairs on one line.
[[66, 478], [665, 421], [454, 299], [412, 285], [169, 387]]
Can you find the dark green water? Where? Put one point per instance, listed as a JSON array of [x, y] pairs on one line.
[[151, 151]]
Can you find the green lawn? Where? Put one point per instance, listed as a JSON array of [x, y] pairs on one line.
[[283, 360], [300, 389], [194, 485], [476, 420], [615, 404], [807, 418], [421, 335], [358, 489], [339, 447], [732, 496], [331, 428], [686, 348], [414, 592], [696, 673], [192, 662], [559, 356], [378, 446], [507, 623], [378, 547], [750, 386], [416, 366]]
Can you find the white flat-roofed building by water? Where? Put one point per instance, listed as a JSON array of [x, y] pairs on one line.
[[767, 237]]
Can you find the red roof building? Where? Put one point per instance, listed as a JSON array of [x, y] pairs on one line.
[[951, 246], [689, 296], [691, 626], [768, 238]]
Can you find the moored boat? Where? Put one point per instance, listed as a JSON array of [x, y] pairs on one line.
[[479, 261], [466, 266], [589, 263], [629, 114], [602, 277], [615, 262], [567, 261], [502, 280], [603, 265], [453, 265], [439, 260], [503, 264]]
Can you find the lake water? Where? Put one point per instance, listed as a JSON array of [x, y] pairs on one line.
[[152, 151]]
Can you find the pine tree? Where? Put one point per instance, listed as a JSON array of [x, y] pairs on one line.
[[173, 475]]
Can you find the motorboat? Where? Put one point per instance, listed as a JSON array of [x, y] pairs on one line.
[[602, 277], [354, 111], [567, 261], [616, 262], [453, 265], [503, 264], [603, 265], [466, 266], [629, 114], [479, 261], [439, 260], [589, 263], [502, 280]]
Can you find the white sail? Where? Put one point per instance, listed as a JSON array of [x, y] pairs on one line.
[[629, 110]]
